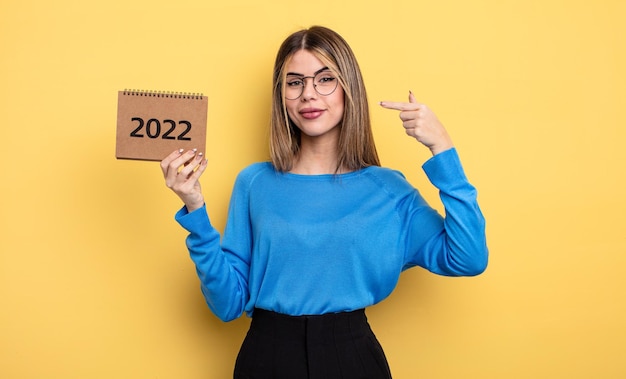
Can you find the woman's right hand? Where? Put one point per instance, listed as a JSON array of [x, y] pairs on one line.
[[182, 171]]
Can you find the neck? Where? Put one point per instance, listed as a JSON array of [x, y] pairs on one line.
[[317, 158]]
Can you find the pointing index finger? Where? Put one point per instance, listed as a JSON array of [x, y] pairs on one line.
[[399, 106]]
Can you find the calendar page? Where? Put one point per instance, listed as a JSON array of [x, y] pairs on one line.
[[151, 124]]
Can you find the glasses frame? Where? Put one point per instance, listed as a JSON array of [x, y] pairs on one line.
[[303, 86]]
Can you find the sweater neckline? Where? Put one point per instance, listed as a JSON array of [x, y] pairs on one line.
[[324, 177]]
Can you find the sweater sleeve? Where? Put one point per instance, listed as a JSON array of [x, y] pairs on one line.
[[222, 267], [457, 247]]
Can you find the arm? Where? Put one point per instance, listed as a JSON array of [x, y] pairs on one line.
[[222, 272], [458, 245]]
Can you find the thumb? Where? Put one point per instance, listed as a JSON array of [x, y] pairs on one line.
[[412, 97]]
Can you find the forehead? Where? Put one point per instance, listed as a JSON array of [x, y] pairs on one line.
[[304, 62]]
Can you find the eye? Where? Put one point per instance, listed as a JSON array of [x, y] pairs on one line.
[[326, 78], [294, 82]]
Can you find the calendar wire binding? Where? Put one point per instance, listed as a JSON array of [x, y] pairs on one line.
[[166, 94]]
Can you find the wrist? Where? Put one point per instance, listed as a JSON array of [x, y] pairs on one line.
[[193, 204], [436, 149], [191, 208]]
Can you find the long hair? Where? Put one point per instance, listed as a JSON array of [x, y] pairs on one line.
[[356, 148]]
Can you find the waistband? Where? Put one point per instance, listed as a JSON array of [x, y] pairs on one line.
[[348, 324], [263, 313]]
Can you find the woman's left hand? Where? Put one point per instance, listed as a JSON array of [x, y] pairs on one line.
[[421, 123]]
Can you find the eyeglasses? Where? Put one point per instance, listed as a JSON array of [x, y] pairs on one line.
[[324, 82]]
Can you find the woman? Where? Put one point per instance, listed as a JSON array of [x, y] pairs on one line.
[[322, 231]]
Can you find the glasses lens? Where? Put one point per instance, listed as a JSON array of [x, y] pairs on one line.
[[325, 82], [293, 87]]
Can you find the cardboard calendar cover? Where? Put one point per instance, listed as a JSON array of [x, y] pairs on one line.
[[151, 125]]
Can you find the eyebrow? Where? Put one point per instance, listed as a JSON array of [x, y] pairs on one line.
[[315, 73]]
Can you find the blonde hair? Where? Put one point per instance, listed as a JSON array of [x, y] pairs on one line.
[[356, 148]]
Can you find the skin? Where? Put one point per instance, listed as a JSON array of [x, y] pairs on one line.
[[421, 123], [320, 133], [182, 171], [320, 129]]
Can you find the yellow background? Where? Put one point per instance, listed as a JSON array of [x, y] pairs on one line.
[[95, 281]]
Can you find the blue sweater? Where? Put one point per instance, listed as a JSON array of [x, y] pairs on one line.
[[314, 244]]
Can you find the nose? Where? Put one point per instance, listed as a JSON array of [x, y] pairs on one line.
[[308, 91]]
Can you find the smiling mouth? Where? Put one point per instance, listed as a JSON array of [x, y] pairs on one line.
[[311, 114]]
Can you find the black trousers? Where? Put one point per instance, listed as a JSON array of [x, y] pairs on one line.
[[330, 346]]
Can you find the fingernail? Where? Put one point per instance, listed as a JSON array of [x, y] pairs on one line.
[[180, 151]]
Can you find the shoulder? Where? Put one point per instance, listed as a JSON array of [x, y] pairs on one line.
[[389, 180], [386, 176], [257, 167], [249, 173], [384, 173]]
